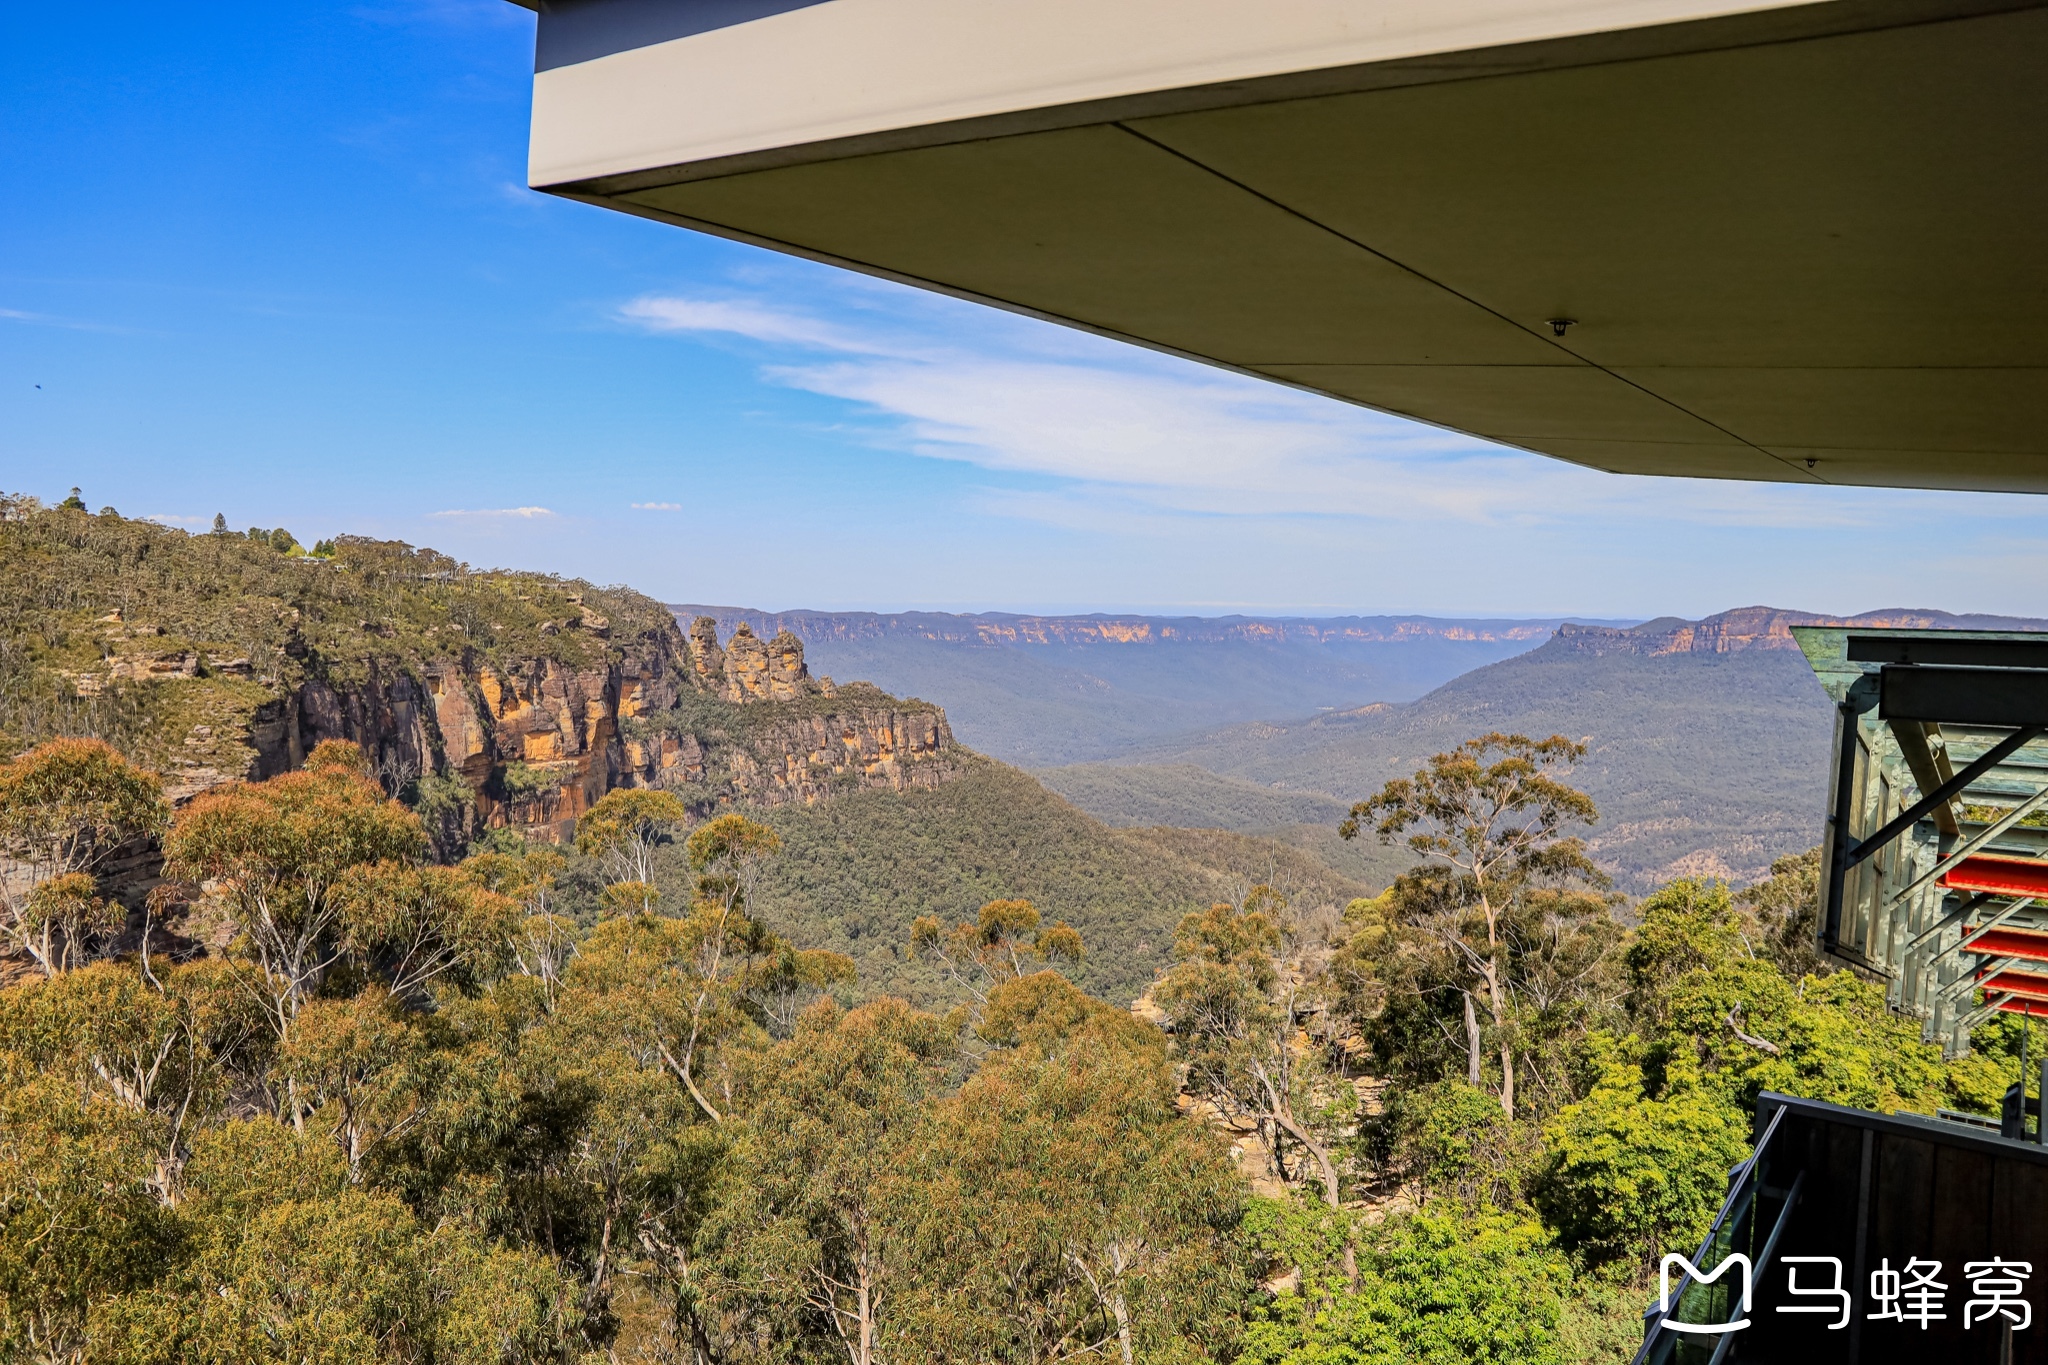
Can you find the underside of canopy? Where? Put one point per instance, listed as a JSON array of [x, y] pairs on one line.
[[1796, 242]]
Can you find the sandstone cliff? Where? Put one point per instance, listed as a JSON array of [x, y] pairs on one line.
[[762, 730], [485, 699], [1746, 628], [534, 742]]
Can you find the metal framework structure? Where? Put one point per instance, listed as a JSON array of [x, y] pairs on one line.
[[1934, 873]]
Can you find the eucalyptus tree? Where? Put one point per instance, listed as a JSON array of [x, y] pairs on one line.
[[623, 831], [1074, 1212], [1234, 1001], [1495, 813], [65, 807], [814, 1245], [284, 859]]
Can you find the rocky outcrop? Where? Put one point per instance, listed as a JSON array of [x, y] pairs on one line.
[[707, 660], [532, 744], [1747, 628], [747, 670], [879, 745], [800, 738]]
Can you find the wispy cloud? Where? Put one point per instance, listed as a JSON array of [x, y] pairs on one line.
[[51, 320], [1196, 441], [1111, 417], [1111, 425], [527, 512], [744, 318], [657, 507]]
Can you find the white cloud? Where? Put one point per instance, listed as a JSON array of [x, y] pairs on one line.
[[48, 320], [657, 507], [1197, 440], [526, 512], [742, 318], [1114, 425]]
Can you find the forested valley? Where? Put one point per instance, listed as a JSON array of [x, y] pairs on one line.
[[413, 1112], [342, 1088]]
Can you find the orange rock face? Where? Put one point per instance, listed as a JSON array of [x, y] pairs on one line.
[[862, 747], [747, 670], [1731, 632], [538, 743], [858, 739]]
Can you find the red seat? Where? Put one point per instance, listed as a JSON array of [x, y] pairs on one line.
[[2000, 876], [2032, 985], [2027, 943]]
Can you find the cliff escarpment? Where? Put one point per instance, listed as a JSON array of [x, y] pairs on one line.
[[755, 727], [1045, 691], [1747, 628], [484, 699], [998, 628]]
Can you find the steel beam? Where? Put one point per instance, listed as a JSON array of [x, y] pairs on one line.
[[1930, 769], [1965, 696], [1948, 921], [1963, 944], [1941, 795], [1982, 1012], [1926, 649], [2005, 822]]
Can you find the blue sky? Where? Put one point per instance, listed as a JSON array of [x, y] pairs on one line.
[[278, 261]]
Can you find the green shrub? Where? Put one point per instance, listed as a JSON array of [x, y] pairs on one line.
[[518, 781], [1447, 1286], [439, 794], [1629, 1175], [1455, 1140]]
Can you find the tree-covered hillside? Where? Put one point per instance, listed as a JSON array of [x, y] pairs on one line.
[[96, 609], [1701, 763], [857, 872], [184, 651], [1184, 796]]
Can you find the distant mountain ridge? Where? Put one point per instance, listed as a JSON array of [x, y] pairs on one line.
[[1707, 740], [1046, 690], [996, 628]]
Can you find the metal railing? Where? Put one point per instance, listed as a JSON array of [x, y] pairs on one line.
[[1751, 1220]]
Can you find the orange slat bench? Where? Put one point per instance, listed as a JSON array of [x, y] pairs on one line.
[[2000, 876], [2026, 943], [2032, 985]]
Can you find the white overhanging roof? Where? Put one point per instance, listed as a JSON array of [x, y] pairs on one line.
[[1802, 242]]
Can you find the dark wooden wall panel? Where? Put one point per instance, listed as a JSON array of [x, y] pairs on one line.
[[1954, 1198]]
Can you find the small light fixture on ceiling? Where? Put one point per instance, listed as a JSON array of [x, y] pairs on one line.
[[1557, 325]]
